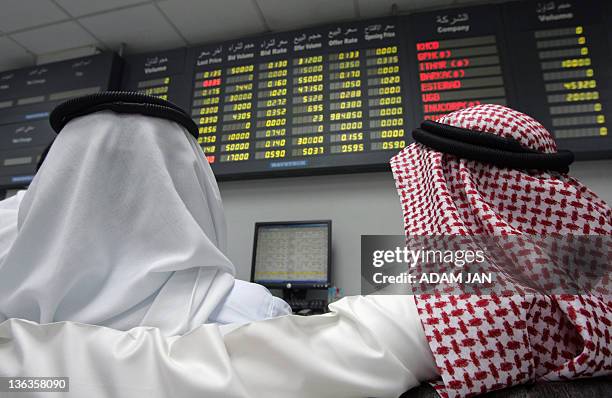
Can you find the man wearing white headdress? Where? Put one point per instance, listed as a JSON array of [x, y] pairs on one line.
[[123, 226]]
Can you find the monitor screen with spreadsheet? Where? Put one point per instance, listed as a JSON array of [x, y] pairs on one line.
[[295, 253]]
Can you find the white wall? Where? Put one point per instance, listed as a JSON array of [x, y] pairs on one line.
[[357, 204]]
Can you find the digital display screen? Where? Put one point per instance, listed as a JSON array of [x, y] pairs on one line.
[[296, 253], [318, 99], [28, 95], [456, 59], [345, 97], [562, 62], [160, 74]]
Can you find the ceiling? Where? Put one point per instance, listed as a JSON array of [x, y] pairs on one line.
[[36, 31]]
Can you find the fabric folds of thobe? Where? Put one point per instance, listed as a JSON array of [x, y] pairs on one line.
[[8, 222], [246, 301], [367, 346]]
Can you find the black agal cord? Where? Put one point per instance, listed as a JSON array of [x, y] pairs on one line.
[[488, 148]]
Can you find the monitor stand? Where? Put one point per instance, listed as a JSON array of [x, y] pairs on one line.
[[296, 298], [294, 295]]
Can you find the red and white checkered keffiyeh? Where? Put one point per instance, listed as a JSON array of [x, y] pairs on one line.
[[483, 343]]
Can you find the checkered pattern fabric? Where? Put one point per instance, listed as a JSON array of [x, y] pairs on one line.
[[484, 343]]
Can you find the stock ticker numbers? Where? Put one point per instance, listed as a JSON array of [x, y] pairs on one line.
[[272, 109], [308, 106], [385, 93], [457, 58], [322, 98], [206, 101], [562, 70], [160, 74], [570, 82], [345, 97]]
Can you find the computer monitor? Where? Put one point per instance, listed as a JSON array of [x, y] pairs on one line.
[[292, 254]]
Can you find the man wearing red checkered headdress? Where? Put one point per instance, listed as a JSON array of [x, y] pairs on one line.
[[515, 185]]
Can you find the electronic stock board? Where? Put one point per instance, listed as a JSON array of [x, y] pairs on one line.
[[457, 60], [562, 67], [317, 99], [27, 96], [344, 97], [162, 74]]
